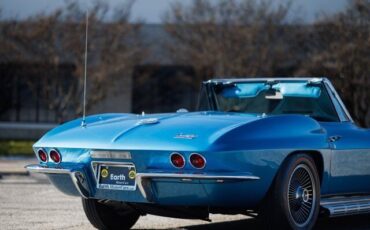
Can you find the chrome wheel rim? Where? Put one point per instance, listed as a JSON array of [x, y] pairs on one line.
[[301, 195]]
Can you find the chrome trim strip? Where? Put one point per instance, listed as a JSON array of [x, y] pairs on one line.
[[73, 174], [347, 207], [343, 200], [223, 80], [111, 162], [143, 180], [111, 154], [337, 97], [46, 170], [185, 136], [195, 176]]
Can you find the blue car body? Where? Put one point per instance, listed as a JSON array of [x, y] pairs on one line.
[[243, 153]]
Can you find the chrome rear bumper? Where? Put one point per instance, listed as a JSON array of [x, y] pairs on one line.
[[78, 178], [143, 180]]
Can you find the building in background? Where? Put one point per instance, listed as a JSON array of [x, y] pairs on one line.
[[154, 85]]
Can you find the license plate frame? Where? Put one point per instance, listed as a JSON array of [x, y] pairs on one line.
[[125, 181]]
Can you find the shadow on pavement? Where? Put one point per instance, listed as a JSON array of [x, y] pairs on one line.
[[342, 223], [361, 222]]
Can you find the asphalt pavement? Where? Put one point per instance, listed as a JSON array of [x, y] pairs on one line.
[[30, 202]]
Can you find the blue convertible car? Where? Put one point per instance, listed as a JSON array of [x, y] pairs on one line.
[[285, 149]]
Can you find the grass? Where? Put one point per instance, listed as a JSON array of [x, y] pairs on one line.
[[16, 148]]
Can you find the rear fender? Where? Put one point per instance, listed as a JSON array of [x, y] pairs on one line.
[[295, 132]]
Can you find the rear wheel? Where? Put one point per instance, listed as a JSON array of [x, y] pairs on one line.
[[109, 215], [293, 201]]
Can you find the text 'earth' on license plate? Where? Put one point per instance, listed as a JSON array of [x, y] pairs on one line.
[[117, 177]]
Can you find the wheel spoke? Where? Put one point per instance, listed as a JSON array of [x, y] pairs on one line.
[[301, 194]]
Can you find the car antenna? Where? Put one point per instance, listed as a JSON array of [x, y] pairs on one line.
[[83, 123]]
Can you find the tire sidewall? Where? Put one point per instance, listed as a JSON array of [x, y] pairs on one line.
[[281, 191], [104, 217]]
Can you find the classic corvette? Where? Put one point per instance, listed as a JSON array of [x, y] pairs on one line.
[[282, 149]]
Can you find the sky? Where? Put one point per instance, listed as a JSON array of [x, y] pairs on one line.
[[151, 11]]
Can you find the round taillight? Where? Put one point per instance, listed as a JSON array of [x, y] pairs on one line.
[[43, 156], [177, 160], [197, 161], [55, 156]]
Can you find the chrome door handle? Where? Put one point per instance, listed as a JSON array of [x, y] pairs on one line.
[[334, 138]]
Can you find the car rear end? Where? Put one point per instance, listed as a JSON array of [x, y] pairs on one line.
[[161, 177]]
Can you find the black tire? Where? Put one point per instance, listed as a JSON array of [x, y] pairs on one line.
[[293, 201], [103, 216]]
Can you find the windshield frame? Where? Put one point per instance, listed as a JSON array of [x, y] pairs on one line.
[[338, 105]]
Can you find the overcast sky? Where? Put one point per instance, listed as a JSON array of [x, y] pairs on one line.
[[151, 11]]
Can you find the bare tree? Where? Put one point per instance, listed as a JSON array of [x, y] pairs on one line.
[[249, 38], [340, 48], [52, 40], [228, 38]]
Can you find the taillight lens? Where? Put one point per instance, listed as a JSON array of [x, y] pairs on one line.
[[177, 160], [55, 156], [197, 161], [43, 156]]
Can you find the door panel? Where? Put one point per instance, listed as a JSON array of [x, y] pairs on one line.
[[350, 163], [350, 171]]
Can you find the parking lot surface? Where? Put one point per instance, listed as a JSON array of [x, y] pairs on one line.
[[30, 202]]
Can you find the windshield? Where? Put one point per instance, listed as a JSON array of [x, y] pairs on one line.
[[274, 98]]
